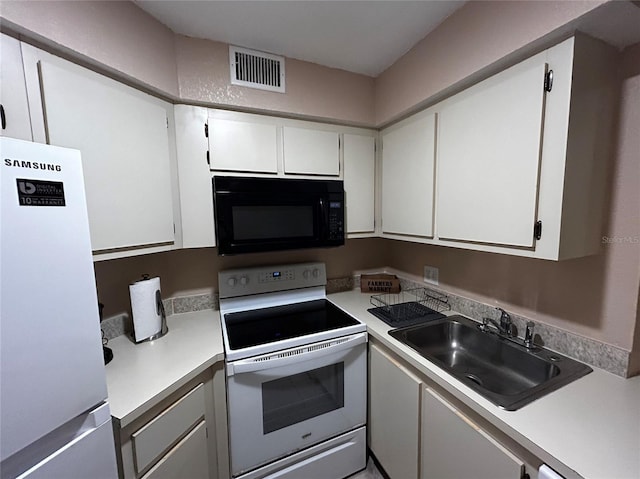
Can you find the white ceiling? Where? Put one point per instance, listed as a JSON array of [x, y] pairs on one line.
[[360, 36]]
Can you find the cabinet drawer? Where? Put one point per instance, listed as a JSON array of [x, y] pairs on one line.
[[157, 436], [188, 459]]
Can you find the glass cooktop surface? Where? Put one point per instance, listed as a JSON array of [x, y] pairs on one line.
[[269, 325]]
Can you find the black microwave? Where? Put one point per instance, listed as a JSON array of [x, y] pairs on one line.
[[271, 214]]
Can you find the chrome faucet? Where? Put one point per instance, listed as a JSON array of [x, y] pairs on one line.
[[504, 327]]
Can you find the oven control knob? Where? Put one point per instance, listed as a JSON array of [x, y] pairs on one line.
[[232, 282], [244, 280], [315, 272], [306, 273]]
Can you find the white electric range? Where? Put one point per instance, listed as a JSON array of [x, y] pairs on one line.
[[296, 375]]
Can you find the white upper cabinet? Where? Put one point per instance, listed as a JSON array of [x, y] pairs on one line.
[[359, 182], [489, 158], [13, 92], [521, 164], [311, 152], [239, 145], [196, 193], [123, 137], [408, 155]]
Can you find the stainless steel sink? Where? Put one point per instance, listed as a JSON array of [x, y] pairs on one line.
[[505, 373]]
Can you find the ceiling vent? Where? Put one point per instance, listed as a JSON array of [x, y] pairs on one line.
[[255, 69]]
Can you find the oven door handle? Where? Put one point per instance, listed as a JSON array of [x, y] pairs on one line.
[[251, 365]]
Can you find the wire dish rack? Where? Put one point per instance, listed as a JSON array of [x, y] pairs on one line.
[[410, 306]]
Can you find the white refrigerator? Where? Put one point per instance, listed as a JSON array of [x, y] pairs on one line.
[[54, 415]]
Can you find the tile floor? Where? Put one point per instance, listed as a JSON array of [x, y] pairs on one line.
[[371, 472]]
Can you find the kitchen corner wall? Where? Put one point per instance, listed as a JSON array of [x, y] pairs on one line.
[[474, 38], [195, 271]]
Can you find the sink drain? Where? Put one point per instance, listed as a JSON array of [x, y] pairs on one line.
[[474, 378]]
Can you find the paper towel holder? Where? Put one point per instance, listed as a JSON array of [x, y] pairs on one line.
[[160, 311], [160, 308]]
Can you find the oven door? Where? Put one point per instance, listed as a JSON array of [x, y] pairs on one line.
[[286, 401]]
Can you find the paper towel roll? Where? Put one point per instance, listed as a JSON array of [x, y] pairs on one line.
[[147, 320]]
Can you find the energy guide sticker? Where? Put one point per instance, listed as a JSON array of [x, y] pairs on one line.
[[40, 193]]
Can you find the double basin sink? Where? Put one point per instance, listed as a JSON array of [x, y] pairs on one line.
[[504, 372]]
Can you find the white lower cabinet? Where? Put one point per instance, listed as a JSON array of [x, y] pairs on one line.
[[453, 446], [187, 459], [394, 415], [184, 436], [415, 433]]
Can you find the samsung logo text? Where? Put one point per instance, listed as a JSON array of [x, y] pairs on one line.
[[32, 164]]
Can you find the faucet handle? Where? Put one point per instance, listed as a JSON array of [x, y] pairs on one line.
[[528, 335], [504, 316]]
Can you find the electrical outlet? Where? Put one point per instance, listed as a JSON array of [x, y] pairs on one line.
[[431, 275]]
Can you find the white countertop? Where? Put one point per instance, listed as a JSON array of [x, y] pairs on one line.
[[590, 427], [141, 375]]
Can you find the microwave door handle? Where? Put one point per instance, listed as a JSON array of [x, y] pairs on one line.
[[323, 217], [251, 366]]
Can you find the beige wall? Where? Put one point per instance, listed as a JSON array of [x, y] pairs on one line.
[[626, 216], [193, 271], [311, 90], [471, 39], [120, 39], [116, 35]]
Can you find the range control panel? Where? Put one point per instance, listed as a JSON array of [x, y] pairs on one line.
[[269, 279]]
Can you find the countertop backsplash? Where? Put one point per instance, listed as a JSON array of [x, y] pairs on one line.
[[590, 351]]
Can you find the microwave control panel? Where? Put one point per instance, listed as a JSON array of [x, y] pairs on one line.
[[336, 220]]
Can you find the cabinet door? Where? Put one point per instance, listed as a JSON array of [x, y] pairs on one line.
[[243, 146], [122, 135], [13, 91], [188, 459], [194, 177], [489, 140], [311, 152], [394, 415], [408, 154], [454, 447], [359, 182]]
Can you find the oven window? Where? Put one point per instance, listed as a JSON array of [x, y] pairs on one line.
[[272, 221], [293, 399]]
